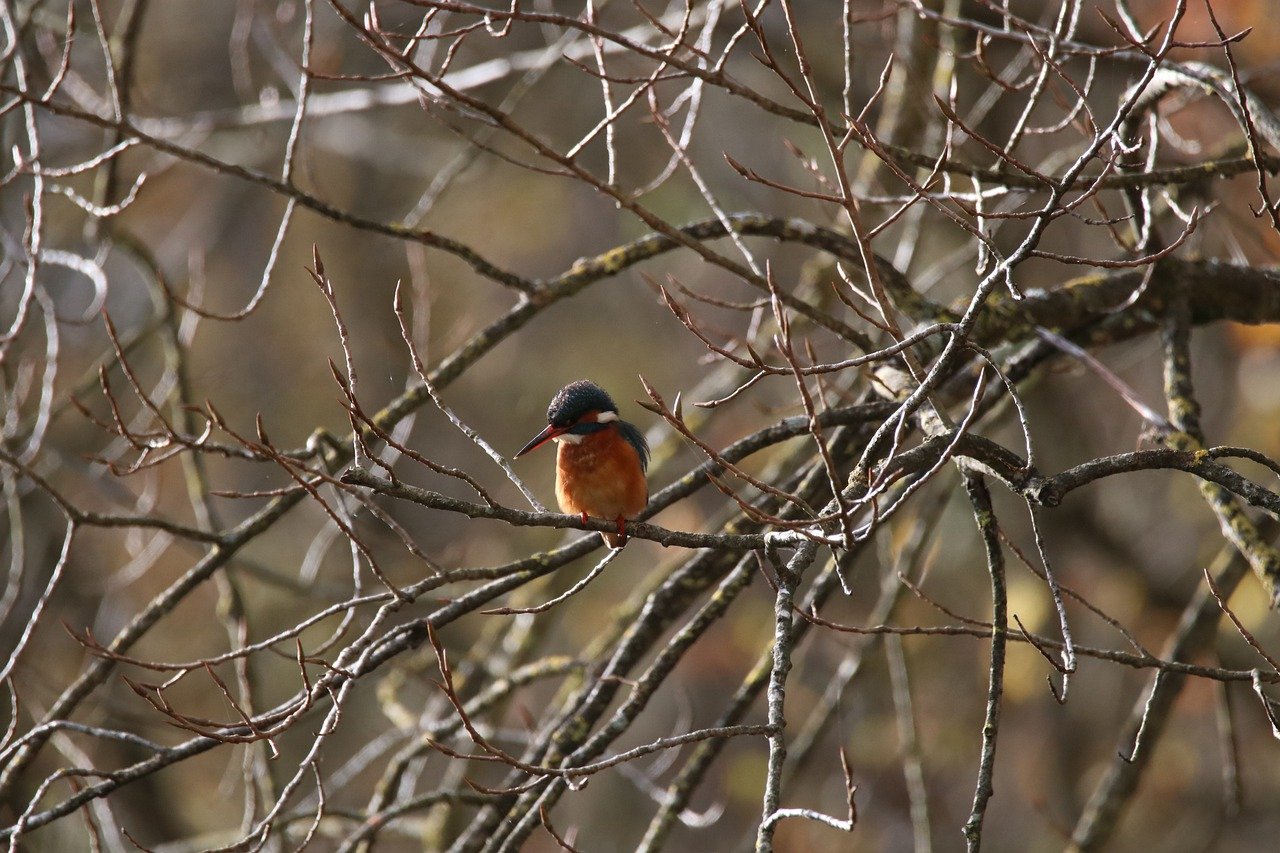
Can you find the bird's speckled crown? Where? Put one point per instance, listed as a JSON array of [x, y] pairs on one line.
[[576, 399]]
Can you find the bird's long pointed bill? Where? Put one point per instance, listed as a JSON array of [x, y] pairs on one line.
[[540, 439]]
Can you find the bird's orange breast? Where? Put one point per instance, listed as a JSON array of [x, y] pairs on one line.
[[601, 476]]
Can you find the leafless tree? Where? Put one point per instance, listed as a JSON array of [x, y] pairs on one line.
[[901, 284]]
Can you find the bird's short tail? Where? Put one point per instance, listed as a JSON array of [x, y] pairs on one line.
[[616, 540]]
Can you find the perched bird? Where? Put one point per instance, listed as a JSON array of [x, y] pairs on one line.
[[601, 461]]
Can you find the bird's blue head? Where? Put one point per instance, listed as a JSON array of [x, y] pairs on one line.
[[575, 400], [581, 408]]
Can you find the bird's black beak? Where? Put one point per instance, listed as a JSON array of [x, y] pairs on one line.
[[541, 438]]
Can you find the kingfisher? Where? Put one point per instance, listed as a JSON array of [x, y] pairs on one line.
[[601, 461]]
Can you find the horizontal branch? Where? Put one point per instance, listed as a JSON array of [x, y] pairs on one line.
[[973, 450], [1112, 306], [1199, 463], [521, 518], [1049, 490], [982, 631]]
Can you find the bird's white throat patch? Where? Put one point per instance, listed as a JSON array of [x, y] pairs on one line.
[[569, 438]]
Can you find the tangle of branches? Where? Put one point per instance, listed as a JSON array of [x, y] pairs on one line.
[[951, 325]]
